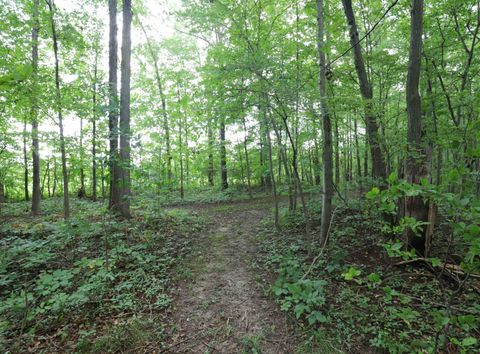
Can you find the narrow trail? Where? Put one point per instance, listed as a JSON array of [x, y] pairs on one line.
[[222, 308]]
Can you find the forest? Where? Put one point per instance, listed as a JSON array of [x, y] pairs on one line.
[[239, 176]]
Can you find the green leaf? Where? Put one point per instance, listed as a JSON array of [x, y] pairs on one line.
[[373, 193], [469, 341], [374, 278], [351, 273]]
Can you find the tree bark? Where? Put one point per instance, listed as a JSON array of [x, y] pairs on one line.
[[378, 163], [94, 129], [36, 193], [245, 147], [113, 105], [416, 164], [25, 162], [357, 149], [326, 128], [123, 207], [223, 155], [270, 162], [211, 169], [66, 201], [81, 191]]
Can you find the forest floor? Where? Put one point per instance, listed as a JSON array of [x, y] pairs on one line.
[[216, 276], [221, 304]]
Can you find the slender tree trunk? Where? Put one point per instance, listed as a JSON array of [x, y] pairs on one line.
[[327, 130], [2, 192], [36, 193], [270, 161], [48, 179], [316, 164], [54, 188], [113, 106], [166, 126], [211, 169], [337, 154], [357, 149], [180, 145], [416, 165], [223, 155], [94, 129], [378, 163], [288, 172], [66, 202], [124, 124], [25, 162], [45, 177], [81, 192], [245, 147], [102, 168]]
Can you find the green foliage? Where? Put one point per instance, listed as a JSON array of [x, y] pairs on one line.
[[305, 297], [364, 301], [64, 275]]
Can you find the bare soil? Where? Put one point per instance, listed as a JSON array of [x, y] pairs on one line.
[[221, 306]]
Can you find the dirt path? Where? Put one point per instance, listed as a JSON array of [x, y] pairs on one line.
[[220, 307]]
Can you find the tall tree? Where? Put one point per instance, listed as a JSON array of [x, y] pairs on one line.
[[123, 207], [36, 192], [94, 124], [113, 104], [416, 165], [378, 163], [161, 93], [66, 203], [326, 129]]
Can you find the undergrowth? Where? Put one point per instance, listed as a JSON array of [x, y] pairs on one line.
[[354, 296], [90, 284]]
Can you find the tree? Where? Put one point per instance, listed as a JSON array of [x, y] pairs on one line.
[[58, 96], [327, 129], [114, 199], [123, 207], [416, 166], [94, 123], [378, 163], [36, 196]]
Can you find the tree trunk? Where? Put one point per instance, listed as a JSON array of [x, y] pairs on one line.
[[2, 192], [416, 165], [223, 155], [327, 130], [166, 126], [36, 193], [25, 162], [94, 130], [245, 147], [102, 168], [270, 162], [211, 169], [66, 202], [113, 105], [124, 203], [48, 179], [81, 191], [357, 149], [180, 144], [54, 187], [378, 163]]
